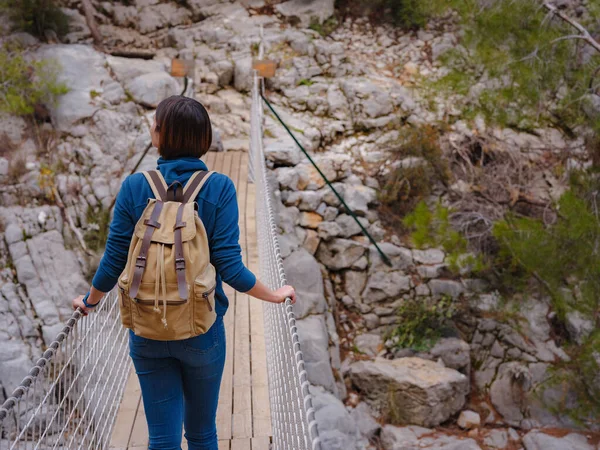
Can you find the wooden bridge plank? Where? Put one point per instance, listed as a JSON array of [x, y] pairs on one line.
[[139, 434], [224, 444], [225, 408], [261, 443], [209, 160], [226, 168], [240, 444], [127, 412], [242, 386], [261, 411], [218, 162]]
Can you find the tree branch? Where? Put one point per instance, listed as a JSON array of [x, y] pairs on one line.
[[89, 10], [584, 34]]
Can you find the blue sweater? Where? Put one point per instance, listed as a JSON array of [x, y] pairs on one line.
[[217, 208]]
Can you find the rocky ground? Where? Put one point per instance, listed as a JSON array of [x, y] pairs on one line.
[[348, 97]]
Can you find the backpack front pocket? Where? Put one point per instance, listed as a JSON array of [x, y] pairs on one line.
[[125, 304], [204, 304]]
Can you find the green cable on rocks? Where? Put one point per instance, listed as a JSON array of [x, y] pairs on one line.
[[384, 257]]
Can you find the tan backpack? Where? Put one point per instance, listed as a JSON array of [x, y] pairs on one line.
[[166, 291]]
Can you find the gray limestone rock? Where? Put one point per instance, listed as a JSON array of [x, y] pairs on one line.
[[359, 197], [314, 339], [416, 438], [455, 353], [538, 440], [446, 287], [303, 272], [348, 225], [282, 153], [385, 285], [82, 70], [306, 12], [340, 253], [368, 343], [354, 283], [411, 390], [151, 88], [579, 326], [242, 74], [496, 439], [468, 419], [329, 230], [337, 428], [363, 417], [429, 256]]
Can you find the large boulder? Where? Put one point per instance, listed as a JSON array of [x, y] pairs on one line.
[[306, 12], [314, 338], [152, 88], [126, 69], [82, 69], [538, 440], [303, 272], [411, 390]]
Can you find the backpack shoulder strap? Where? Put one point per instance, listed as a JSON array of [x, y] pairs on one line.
[[194, 185], [157, 183]]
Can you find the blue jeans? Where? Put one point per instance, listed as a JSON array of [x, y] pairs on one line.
[[180, 383]]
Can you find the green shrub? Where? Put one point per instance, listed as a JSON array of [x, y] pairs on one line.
[[326, 28], [433, 229], [36, 16], [25, 84], [404, 187], [530, 73], [564, 257], [407, 14], [98, 226], [423, 322]]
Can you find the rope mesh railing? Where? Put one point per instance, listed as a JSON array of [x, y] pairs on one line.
[[292, 415], [69, 399]]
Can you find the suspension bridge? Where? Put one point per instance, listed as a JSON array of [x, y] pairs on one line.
[[84, 394]]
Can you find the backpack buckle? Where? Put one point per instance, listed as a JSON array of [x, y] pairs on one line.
[[180, 264], [140, 262], [179, 225]]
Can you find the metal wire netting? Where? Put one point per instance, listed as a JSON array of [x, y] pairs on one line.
[[293, 417], [69, 399]]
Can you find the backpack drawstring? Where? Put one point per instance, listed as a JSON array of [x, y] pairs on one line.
[[157, 280], [161, 279], [163, 275]]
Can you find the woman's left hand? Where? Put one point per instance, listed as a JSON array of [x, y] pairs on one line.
[[78, 303]]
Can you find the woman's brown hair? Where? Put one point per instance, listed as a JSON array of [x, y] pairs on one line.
[[184, 128]]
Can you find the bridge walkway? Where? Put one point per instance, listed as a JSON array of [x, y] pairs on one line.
[[244, 415]]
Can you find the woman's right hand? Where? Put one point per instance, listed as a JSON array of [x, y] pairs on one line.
[[281, 294]]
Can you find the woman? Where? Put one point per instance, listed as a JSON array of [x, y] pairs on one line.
[[180, 380]]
